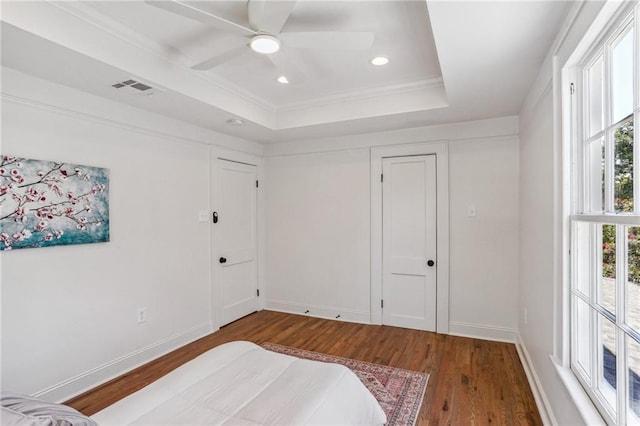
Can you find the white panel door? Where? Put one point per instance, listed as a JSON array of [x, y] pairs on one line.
[[409, 242], [237, 240]]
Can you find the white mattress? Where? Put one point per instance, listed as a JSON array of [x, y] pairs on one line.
[[240, 383]]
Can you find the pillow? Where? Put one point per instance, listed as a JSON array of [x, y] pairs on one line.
[[8, 417], [24, 410]]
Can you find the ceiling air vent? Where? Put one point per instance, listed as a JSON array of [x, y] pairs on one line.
[[141, 86], [134, 87]]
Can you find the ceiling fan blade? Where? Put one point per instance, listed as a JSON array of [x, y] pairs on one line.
[[328, 40], [286, 67], [191, 12], [221, 58], [269, 16]]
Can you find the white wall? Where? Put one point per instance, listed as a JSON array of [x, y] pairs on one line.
[[69, 313], [319, 246], [318, 240], [537, 245], [541, 288], [484, 249], [72, 309]]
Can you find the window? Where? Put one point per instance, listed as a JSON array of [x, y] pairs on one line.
[[605, 222]]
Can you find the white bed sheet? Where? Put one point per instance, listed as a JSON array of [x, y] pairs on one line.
[[240, 383]]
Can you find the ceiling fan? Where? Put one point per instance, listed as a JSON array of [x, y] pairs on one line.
[[264, 34]]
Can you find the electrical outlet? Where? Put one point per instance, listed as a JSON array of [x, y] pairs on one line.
[[142, 315]]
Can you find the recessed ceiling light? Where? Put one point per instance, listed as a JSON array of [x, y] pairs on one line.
[[282, 79], [265, 44], [235, 122], [380, 60]]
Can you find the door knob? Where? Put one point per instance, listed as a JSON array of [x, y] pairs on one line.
[[430, 262], [223, 260]]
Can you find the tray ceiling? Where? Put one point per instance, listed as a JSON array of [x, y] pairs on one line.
[[449, 61]]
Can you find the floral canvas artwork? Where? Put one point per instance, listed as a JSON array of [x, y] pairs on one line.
[[46, 203]]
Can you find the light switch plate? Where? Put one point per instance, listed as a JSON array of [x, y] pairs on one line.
[[471, 210], [203, 216]]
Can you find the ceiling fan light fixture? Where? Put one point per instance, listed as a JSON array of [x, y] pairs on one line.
[[379, 61], [283, 80], [265, 44]]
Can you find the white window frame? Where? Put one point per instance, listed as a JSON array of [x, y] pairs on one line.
[[579, 199]]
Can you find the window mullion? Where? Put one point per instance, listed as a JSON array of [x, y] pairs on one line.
[[608, 139], [621, 272], [636, 151], [621, 360], [621, 376], [636, 63], [578, 121], [577, 196], [595, 249], [636, 115]]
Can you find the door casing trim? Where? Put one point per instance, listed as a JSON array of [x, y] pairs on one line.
[[441, 150]]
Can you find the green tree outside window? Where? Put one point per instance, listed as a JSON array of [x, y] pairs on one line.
[[623, 187]]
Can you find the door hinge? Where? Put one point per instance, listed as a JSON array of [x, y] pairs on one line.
[[257, 185], [382, 303], [381, 177], [572, 89], [258, 292]]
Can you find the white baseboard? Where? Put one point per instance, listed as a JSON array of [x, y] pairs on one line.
[[348, 315], [90, 379], [485, 332], [546, 413]]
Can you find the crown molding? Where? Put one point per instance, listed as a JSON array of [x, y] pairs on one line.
[[356, 95]]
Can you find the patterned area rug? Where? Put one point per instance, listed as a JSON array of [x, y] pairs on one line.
[[398, 391]]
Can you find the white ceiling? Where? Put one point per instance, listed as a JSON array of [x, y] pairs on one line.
[[328, 71], [457, 61]]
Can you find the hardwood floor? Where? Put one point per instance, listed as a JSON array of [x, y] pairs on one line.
[[471, 381]]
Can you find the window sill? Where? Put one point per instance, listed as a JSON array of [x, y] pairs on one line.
[[583, 403]]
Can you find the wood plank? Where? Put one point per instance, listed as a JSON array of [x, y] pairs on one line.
[[475, 382]]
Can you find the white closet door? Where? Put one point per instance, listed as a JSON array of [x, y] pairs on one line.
[[409, 242]]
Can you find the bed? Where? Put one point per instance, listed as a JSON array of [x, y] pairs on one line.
[[240, 383]]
